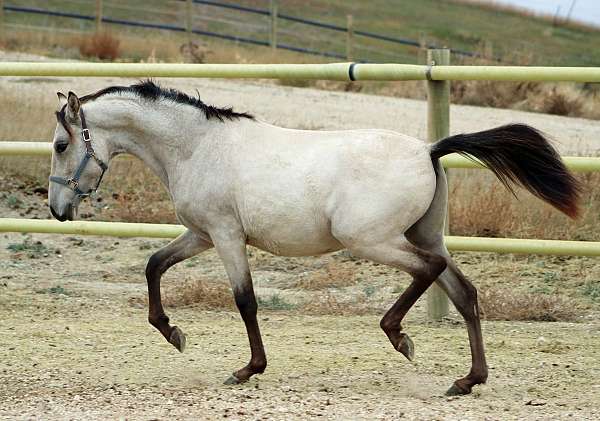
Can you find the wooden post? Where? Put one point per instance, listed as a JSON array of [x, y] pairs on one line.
[[1, 20], [274, 12], [349, 37], [422, 54], [438, 127], [98, 16], [189, 19]]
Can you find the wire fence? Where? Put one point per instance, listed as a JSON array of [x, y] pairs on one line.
[[216, 14]]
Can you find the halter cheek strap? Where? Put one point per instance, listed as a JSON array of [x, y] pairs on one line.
[[73, 182]]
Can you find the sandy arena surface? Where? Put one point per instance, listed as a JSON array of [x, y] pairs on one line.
[[75, 343]]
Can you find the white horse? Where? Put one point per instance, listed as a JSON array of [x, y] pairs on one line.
[[236, 181]]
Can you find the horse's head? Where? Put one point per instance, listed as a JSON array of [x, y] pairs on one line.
[[78, 162]]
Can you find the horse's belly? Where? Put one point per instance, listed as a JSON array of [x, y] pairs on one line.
[[293, 239]]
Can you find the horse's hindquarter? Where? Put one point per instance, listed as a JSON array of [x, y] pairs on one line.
[[292, 185]]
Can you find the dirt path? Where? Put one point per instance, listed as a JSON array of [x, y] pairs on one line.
[[72, 346]]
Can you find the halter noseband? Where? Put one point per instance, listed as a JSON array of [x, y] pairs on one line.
[[73, 182]]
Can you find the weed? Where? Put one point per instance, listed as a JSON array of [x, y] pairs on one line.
[[14, 202], [369, 290], [274, 302], [591, 289], [33, 249], [190, 263], [56, 290]]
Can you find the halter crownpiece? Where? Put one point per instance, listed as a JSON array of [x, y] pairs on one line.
[[73, 182]]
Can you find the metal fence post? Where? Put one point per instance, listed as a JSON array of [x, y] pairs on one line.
[[349, 36], [273, 15], [99, 16], [438, 127]]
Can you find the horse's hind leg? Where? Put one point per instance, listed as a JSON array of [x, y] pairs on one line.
[[464, 297], [183, 247], [422, 265]]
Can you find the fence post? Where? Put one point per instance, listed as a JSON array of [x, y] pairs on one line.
[[1, 20], [349, 36], [422, 53], [98, 16], [438, 127], [274, 12], [189, 19]]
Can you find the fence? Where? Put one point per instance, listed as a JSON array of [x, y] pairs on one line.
[[100, 17], [437, 76]]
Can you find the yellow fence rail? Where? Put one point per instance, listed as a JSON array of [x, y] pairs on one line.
[[125, 229], [332, 71], [575, 163]]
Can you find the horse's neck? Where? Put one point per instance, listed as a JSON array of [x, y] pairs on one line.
[[163, 138]]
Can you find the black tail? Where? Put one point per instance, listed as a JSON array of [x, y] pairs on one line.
[[519, 154]]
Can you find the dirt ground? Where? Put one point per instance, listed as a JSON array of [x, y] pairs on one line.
[[74, 345], [75, 342]]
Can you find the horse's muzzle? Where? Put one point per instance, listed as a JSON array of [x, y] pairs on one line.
[[66, 215]]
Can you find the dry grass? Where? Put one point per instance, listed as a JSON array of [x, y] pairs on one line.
[[334, 275], [137, 195], [508, 304], [481, 206], [102, 45], [208, 294], [328, 304]]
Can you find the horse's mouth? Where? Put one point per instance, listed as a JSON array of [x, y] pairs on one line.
[[67, 215]]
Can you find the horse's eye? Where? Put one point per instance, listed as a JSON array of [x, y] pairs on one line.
[[60, 147]]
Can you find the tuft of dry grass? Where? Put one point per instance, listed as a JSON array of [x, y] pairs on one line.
[[334, 275], [327, 304], [208, 294], [508, 304], [562, 102], [102, 45]]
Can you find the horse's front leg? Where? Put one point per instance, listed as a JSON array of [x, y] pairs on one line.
[[231, 247], [183, 247]]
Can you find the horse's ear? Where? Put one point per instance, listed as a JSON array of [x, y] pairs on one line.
[[73, 106], [62, 100]]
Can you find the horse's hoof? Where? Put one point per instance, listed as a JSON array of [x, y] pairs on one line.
[[232, 380], [456, 391], [406, 347], [178, 339]]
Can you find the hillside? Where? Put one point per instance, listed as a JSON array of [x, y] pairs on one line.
[[511, 35]]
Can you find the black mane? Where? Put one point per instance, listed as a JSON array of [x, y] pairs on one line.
[[151, 91]]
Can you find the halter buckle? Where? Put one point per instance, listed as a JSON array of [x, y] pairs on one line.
[[85, 135]]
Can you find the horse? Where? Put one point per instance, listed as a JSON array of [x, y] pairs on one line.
[[236, 181]]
